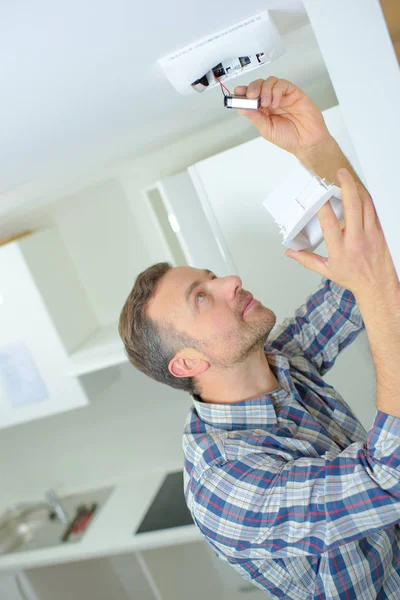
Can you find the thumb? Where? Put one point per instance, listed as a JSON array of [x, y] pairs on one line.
[[313, 262]]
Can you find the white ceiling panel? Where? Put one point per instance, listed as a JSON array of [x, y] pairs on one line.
[[81, 86]]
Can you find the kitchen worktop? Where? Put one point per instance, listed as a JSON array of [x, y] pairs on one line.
[[112, 529]]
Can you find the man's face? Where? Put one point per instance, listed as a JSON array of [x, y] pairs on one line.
[[213, 311]]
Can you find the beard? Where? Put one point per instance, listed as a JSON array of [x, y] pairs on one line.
[[226, 350]]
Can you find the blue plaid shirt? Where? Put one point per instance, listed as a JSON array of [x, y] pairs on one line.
[[289, 488]]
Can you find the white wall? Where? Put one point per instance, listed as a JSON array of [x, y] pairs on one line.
[[132, 423], [365, 72]]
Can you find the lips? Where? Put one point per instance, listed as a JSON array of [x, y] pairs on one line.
[[247, 301]]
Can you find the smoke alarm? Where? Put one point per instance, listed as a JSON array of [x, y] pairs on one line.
[[223, 54]]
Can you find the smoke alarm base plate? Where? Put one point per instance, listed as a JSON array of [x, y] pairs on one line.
[[225, 54]]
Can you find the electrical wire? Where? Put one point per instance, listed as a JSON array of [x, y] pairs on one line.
[[222, 86]]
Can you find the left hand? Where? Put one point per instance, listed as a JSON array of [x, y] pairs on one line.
[[287, 117]]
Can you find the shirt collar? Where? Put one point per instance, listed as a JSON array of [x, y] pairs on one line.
[[246, 414]]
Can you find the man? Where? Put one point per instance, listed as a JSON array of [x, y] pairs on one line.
[[280, 476]]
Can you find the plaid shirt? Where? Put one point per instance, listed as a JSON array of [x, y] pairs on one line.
[[289, 488]]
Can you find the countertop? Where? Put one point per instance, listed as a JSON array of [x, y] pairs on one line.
[[112, 529]]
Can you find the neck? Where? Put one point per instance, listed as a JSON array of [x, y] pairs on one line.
[[250, 379]]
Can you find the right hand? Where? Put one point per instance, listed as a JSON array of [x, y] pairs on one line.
[[358, 256], [287, 117]]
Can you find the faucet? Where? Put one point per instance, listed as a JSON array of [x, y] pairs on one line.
[[53, 501]]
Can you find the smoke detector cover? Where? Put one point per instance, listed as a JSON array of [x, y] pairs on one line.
[[224, 54], [294, 206]]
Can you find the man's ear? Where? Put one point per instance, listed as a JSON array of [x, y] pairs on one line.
[[187, 367]]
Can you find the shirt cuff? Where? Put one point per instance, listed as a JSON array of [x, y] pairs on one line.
[[341, 293], [384, 439]]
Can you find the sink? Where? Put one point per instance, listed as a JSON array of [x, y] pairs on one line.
[[19, 525], [34, 526]]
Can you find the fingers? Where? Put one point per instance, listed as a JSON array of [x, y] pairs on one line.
[[352, 205], [266, 92], [330, 227], [240, 90], [270, 90], [313, 262], [370, 217], [253, 90], [255, 117], [260, 88], [273, 90]]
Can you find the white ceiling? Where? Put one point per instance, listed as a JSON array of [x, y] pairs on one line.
[[81, 87]]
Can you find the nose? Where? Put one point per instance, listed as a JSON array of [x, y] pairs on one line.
[[229, 287]]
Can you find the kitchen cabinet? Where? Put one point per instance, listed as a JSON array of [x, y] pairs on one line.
[[37, 332], [96, 579], [183, 571], [13, 586], [175, 576], [191, 231], [112, 560], [166, 573], [108, 250], [8, 587]]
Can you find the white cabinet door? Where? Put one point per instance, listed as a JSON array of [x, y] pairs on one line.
[[175, 571], [196, 230], [9, 589], [33, 362]]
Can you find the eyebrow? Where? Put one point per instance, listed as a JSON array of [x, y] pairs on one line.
[[194, 285]]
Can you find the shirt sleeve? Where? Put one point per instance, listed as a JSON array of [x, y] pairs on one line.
[[322, 327], [257, 506]]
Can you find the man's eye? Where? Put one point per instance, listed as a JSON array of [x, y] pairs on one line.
[[198, 296], [202, 295]]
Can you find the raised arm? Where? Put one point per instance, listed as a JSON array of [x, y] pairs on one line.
[[289, 119]]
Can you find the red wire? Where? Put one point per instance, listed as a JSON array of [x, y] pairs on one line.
[[222, 85]]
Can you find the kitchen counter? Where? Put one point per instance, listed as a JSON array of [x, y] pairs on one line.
[[112, 529]]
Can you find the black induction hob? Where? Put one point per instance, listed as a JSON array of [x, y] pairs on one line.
[[168, 508]]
